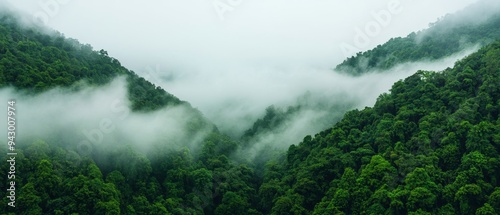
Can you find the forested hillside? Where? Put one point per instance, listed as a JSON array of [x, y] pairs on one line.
[[430, 146], [470, 28], [55, 178], [478, 24], [36, 61]]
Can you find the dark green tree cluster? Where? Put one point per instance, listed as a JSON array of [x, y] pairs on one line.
[[430, 146], [450, 35], [53, 180], [273, 119]]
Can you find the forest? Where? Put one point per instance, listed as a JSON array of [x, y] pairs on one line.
[[428, 146]]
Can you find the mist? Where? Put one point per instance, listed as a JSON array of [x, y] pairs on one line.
[[244, 97], [190, 35], [328, 105], [233, 67], [97, 119]]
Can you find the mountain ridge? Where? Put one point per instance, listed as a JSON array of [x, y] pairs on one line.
[[448, 35]]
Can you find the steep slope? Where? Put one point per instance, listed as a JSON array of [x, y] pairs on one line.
[[277, 120], [429, 146], [279, 128], [36, 61], [55, 177], [471, 28], [478, 24]]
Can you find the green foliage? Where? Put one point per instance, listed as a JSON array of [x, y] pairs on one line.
[[430, 146]]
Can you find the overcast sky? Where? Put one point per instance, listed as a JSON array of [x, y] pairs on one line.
[[236, 57], [191, 34]]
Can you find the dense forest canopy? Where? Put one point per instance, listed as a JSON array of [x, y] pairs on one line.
[[429, 146]]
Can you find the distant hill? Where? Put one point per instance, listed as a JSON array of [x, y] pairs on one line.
[[478, 24]]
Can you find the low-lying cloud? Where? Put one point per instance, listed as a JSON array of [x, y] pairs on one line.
[[235, 98], [98, 118], [344, 93]]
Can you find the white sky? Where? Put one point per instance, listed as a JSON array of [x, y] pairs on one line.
[[189, 32], [260, 53]]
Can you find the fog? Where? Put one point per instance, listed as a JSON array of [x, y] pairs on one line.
[[243, 98], [349, 93], [190, 35], [232, 59], [98, 118]]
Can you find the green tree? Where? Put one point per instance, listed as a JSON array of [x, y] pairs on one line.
[[29, 201], [232, 203]]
